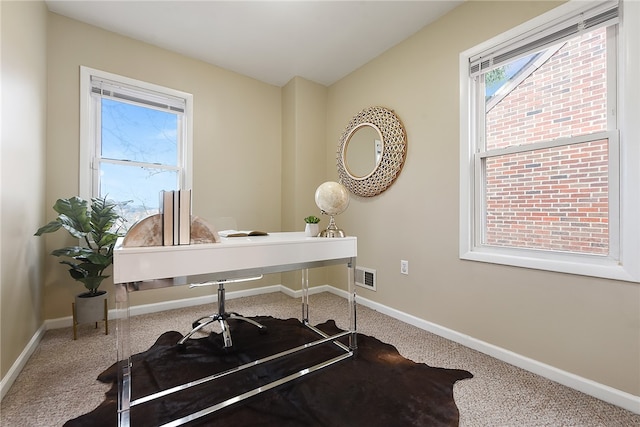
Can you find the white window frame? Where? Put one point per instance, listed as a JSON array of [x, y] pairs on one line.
[[624, 263], [90, 126]]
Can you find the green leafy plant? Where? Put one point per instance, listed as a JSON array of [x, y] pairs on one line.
[[97, 226], [312, 219]]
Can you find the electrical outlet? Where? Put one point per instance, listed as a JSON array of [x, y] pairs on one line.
[[404, 266]]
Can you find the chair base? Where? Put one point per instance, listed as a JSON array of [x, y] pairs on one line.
[[221, 318]]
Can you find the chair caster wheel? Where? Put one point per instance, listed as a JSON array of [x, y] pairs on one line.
[[263, 331], [181, 347]]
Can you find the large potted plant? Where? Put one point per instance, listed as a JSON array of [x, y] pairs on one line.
[[97, 227]]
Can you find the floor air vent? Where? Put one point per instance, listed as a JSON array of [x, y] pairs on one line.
[[366, 278]]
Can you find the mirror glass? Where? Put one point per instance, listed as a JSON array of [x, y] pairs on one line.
[[363, 150], [371, 152]]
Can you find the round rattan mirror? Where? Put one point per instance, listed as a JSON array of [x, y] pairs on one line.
[[371, 152]]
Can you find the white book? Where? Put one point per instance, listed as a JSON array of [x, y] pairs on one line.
[[176, 217], [185, 217]]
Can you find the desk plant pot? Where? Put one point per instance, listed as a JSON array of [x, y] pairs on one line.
[[312, 226], [97, 227]]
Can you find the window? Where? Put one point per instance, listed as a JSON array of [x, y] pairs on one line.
[[135, 141], [542, 176]]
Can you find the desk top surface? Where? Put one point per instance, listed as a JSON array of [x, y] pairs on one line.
[[279, 238], [231, 254]]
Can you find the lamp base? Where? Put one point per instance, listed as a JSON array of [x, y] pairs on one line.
[[332, 230], [331, 233]]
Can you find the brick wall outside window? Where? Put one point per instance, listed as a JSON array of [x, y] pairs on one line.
[[555, 198]]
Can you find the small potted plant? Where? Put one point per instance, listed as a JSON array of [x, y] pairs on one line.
[[312, 228], [98, 228]]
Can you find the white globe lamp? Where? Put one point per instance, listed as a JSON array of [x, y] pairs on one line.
[[332, 198]]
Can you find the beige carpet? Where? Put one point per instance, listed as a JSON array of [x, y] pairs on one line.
[[58, 383]]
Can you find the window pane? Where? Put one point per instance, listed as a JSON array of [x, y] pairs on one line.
[[549, 95], [136, 133], [553, 199], [140, 185]]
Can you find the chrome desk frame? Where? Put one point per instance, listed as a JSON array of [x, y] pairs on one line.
[[142, 268]]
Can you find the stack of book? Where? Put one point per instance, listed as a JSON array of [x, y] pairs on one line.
[[175, 207]]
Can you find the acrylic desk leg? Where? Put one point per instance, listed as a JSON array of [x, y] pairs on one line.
[[123, 354], [305, 296], [351, 280]]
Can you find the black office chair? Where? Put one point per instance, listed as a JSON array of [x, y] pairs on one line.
[[222, 315]]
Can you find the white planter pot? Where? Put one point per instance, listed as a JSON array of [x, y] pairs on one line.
[[90, 309], [311, 230]]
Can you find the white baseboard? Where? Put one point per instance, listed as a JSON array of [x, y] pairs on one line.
[[600, 391], [587, 386], [208, 299], [66, 322], [21, 361]]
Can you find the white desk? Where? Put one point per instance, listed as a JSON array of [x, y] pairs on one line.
[[137, 268]]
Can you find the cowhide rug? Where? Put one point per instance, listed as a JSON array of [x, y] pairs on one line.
[[379, 387]]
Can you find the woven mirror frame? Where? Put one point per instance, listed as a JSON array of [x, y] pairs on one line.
[[394, 149]]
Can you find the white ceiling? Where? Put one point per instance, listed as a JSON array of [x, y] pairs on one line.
[[271, 41]]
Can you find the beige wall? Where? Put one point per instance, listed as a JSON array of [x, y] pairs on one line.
[[304, 106], [259, 153], [22, 174], [236, 138], [583, 325], [304, 166]]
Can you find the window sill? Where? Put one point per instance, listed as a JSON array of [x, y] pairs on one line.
[[583, 265]]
